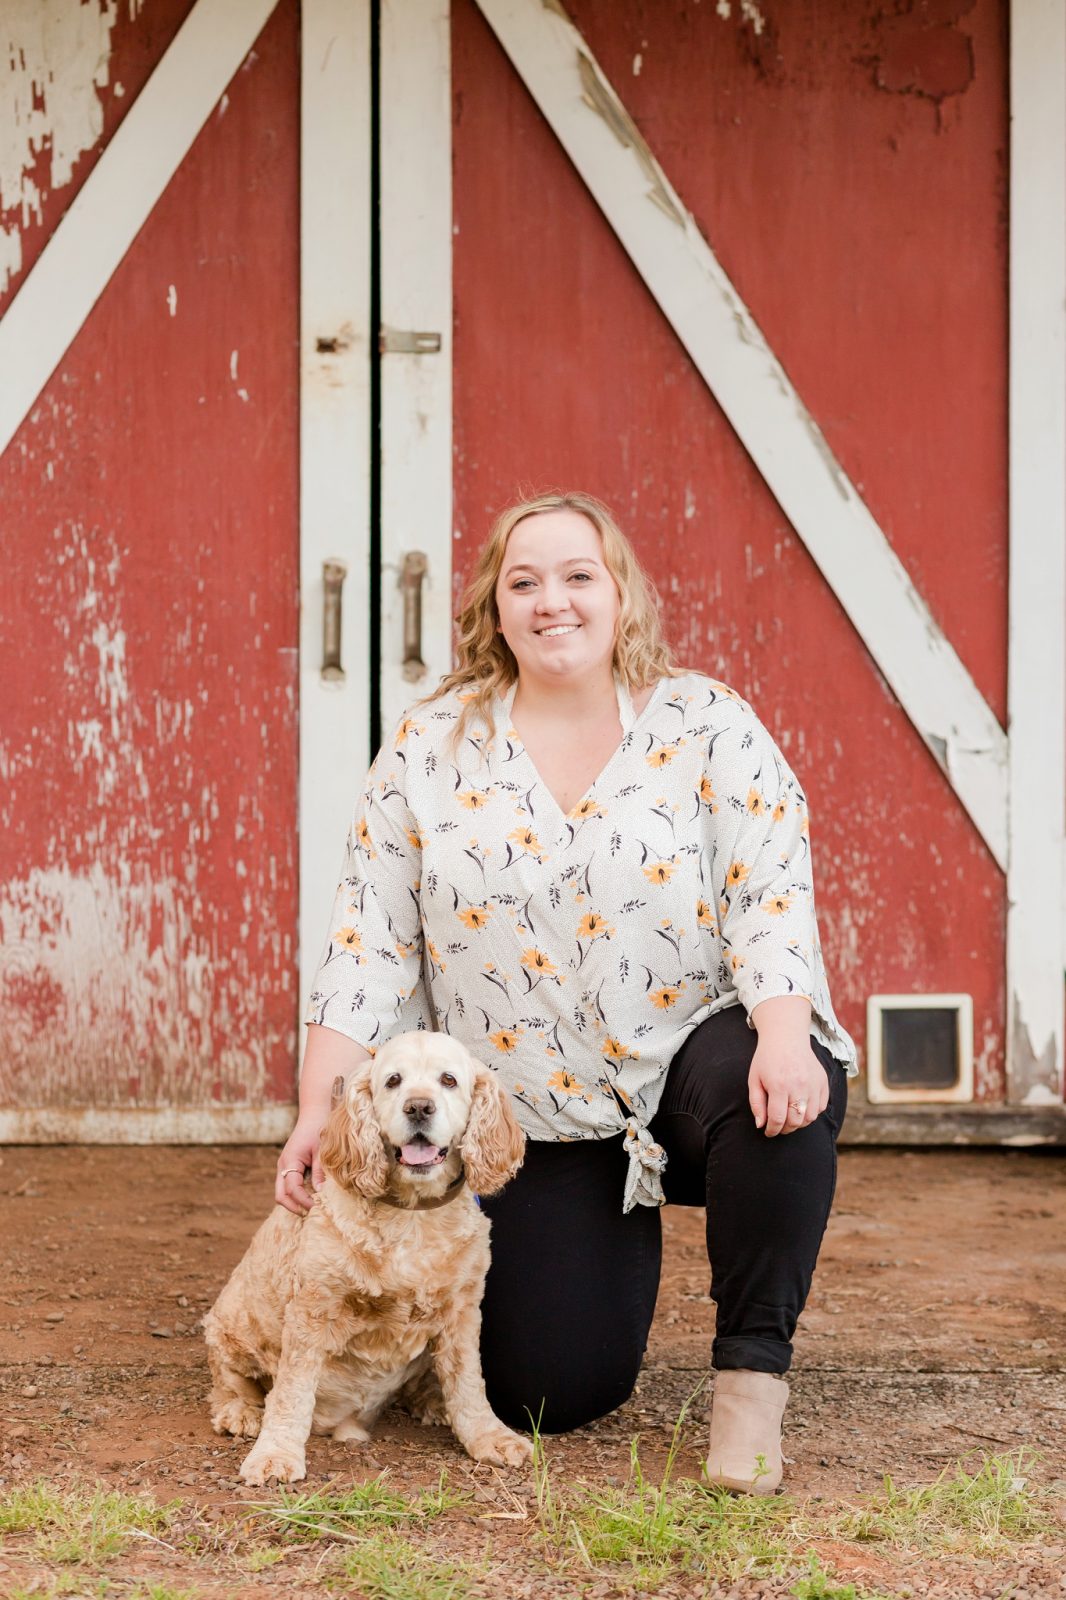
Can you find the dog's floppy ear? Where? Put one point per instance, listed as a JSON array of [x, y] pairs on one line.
[[493, 1144], [352, 1151]]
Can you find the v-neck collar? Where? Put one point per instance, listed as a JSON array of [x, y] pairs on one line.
[[627, 717]]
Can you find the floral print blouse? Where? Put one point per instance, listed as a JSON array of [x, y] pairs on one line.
[[575, 952]]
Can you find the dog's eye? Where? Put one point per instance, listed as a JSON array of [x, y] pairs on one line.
[[449, 1080], [392, 1081]]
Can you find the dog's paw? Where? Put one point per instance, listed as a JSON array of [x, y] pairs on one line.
[[238, 1418], [499, 1447], [268, 1461], [351, 1431]]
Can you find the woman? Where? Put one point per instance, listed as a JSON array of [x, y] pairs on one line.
[[593, 869]]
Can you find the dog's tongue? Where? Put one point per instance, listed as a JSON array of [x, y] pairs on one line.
[[419, 1155]]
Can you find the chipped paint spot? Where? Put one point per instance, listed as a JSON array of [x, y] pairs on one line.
[[924, 52], [1034, 1077], [638, 62], [172, 300], [749, 12], [601, 98], [58, 58]]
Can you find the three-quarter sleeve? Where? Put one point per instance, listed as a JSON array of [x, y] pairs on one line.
[[369, 981], [761, 869]]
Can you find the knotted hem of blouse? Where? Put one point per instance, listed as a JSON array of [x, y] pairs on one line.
[[647, 1161]]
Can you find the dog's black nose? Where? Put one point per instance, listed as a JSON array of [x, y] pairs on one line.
[[419, 1110]]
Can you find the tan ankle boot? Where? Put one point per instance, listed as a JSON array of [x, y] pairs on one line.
[[745, 1450]]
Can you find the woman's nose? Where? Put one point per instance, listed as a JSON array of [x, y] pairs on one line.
[[552, 598]]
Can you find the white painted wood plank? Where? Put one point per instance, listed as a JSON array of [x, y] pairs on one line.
[[335, 339], [1036, 676], [156, 1125], [416, 296], [117, 197], [749, 383]]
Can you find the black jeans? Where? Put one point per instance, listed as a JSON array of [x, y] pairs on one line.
[[571, 1290]]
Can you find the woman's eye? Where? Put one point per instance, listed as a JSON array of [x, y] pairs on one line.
[[392, 1081], [586, 577], [522, 583], [449, 1080]]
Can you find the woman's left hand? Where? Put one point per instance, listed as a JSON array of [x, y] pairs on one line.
[[787, 1085]]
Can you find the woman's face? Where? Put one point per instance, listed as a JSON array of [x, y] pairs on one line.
[[558, 604]]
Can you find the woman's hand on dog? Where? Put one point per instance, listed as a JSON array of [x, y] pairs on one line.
[[299, 1154], [329, 1056]]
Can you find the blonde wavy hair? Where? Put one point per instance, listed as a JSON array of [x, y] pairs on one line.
[[485, 663]]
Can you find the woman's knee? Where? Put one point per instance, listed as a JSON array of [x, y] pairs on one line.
[[558, 1402]]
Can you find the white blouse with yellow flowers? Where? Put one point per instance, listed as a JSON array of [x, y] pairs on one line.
[[575, 952]]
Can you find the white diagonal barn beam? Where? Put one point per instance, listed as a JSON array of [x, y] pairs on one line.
[[752, 388], [1036, 669], [117, 197]]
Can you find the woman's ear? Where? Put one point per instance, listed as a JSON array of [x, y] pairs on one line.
[[493, 1144], [352, 1149]]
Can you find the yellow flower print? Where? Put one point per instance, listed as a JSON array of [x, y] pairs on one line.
[[434, 955], [408, 725], [665, 997], [591, 926], [537, 961], [349, 939], [664, 755], [475, 917], [756, 805], [779, 810], [777, 904], [736, 875], [614, 1050], [526, 840], [362, 834], [506, 1039], [706, 791], [565, 1082], [414, 837], [661, 871], [805, 823], [473, 799], [704, 914], [585, 809], [736, 962]]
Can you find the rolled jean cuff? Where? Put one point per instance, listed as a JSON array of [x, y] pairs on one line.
[[753, 1355]]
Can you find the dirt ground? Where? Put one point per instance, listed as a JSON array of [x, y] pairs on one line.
[[935, 1331]]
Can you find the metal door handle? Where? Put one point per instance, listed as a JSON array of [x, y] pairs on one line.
[[412, 572], [333, 576]]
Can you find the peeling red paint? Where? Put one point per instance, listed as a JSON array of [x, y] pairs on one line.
[[148, 641], [924, 52]]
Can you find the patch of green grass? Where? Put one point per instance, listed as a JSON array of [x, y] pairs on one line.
[[79, 1524], [670, 1526], [820, 1585], [385, 1566], [348, 1514], [984, 1509], [654, 1527]]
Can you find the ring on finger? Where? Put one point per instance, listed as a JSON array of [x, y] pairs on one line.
[[798, 1106], [284, 1173]]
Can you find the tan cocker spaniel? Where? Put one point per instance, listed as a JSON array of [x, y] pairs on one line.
[[332, 1314]]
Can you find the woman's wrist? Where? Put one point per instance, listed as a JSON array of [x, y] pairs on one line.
[[783, 1019], [329, 1055]]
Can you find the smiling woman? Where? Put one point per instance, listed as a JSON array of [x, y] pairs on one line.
[[623, 927]]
